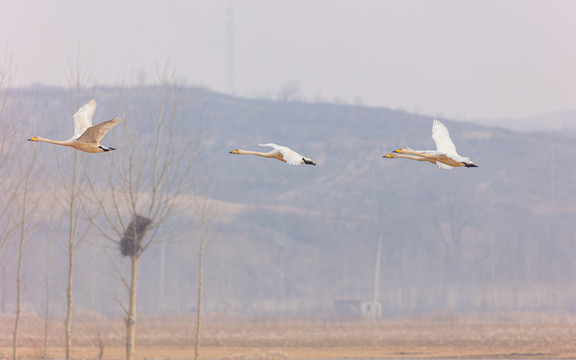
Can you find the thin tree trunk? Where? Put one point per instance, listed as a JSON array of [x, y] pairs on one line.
[[71, 243], [47, 309], [199, 307], [20, 261], [19, 287], [131, 315], [69, 307]]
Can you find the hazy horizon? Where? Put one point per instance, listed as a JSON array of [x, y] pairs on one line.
[[447, 58]]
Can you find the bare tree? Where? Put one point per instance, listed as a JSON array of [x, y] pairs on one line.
[[79, 77], [47, 299], [10, 187], [28, 181], [17, 187], [151, 170], [204, 207], [290, 91], [71, 247], [8, 130]]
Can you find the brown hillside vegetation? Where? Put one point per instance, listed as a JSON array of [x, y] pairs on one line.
[[496, 238], [506, 336]]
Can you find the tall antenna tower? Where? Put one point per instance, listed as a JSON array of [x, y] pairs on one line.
[[230, 49]]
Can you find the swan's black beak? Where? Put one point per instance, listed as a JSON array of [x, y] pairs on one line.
[[308, 162], [470, 165]]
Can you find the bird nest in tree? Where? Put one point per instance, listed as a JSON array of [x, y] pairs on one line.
[[132, 238]]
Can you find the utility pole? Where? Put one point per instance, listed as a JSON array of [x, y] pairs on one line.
[[377, 310], [281, 283], [162, 276]]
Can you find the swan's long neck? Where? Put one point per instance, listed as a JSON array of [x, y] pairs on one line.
[[416, 155], [57, 142], [411, 152], [409, 156], [257, 153]]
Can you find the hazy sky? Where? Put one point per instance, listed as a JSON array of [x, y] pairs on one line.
[[454, 58]]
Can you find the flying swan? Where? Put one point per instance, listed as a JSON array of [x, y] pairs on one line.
[[86, 137], [281, 153], [445, 155]]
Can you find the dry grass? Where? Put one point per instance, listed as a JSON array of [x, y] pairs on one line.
[[443, 336]]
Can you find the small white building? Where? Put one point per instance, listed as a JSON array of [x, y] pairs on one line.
[[358, 308]]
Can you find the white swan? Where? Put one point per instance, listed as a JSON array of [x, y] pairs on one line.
[[281, 153], [86, 137], [445, 155]]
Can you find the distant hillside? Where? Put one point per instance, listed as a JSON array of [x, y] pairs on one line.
[[291, 240], [560, 121]]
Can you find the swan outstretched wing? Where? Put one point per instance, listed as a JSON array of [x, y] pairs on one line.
[[441, 137], [276, 147], [83, 118], [95, 133]]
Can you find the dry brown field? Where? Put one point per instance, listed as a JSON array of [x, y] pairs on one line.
[[503, 336]]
